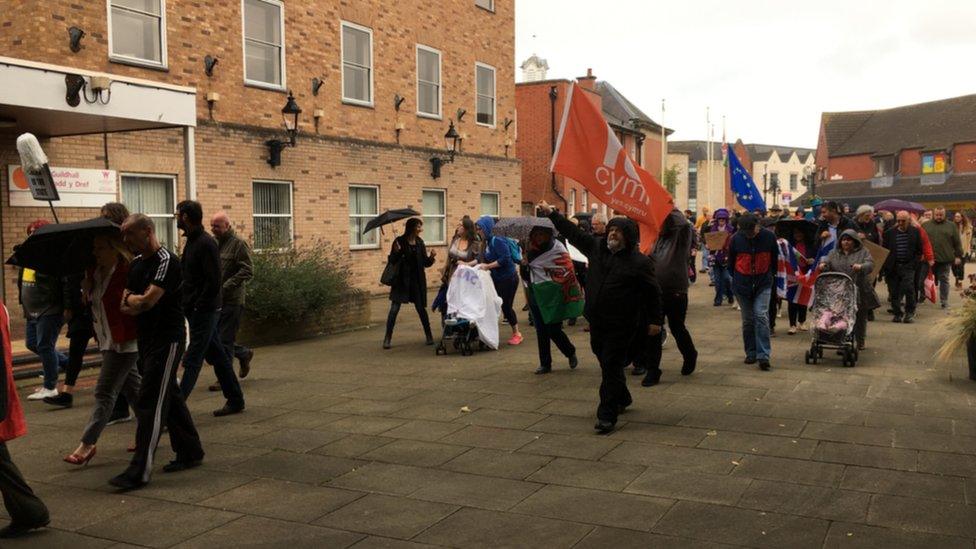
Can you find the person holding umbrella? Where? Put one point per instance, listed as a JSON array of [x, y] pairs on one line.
[[409, 285], [500, 261]]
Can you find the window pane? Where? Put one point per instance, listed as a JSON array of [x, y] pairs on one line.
[[433, 209], [148, 6], [272, 198], [489, 203], [433, 203], [262, 21], [362, 201], [136, 35], [355, 83], [355, 46], [152, 196], [486, 110], [427, 98], [263, 63], [486, 81], [428, 68], [272, 232]]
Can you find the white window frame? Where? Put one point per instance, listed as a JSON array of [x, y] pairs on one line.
[[572, 202], [498, 202], [257, 83], [290, 216], [342, 64], [171, 218], [424, 215], [440, 83], [494, 94], [376, 188], [491, 4], [163, 58]]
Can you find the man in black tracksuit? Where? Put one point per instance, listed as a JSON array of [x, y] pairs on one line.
[[623, 305]]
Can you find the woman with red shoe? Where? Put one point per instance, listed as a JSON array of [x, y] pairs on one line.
[[116, 335]]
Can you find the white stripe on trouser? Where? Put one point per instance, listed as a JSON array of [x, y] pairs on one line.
[[157, 418]]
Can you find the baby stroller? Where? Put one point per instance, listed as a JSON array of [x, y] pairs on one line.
[[834, 312], [460, 333], [469, 294]]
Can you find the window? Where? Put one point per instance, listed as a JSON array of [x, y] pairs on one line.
[[272, 215], [692, 184], [490, 204], [794, 182], [934, 163], [434, 215], [485, 77], [428, 82], [363, 206], [138, 31], [572, 201], [586, 201], [884, 166], [773, 181], [357, 64], [153, 195], [486, 4], [264, 45]]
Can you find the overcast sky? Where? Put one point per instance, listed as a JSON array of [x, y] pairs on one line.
[[771, 67]]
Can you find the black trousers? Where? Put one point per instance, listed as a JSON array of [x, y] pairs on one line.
[[227, 327], [395, 310], [861, 326], [798, 313], [76, 357], [546, 334], [903, 277], [675, 308], [24, 508], [161, 402], [613, 358]]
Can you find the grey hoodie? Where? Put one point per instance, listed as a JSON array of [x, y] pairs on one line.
[[671, 252], [839, 262]]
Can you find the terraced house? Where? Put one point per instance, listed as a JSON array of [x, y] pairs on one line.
[[302, 119]]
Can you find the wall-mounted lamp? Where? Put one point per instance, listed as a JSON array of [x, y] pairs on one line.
[[507, 123], [76, 88], [73, 84], [460, 115], [316, 84], [74, 36], [289, 117], [451, 139], [397, 101], [212, 99], [317, 114], [209, 62]]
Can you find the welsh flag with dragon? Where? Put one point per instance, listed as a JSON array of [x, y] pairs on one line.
[[556, 290]]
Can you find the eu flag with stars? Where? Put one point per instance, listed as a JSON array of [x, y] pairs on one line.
[[743, 187]]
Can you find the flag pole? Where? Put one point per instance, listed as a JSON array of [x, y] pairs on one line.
[[664, 137], [708, 153]]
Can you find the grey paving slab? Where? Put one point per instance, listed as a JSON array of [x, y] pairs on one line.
[[618, 538], [659, 434], [386, 478], [694, 486], [283, 500], [582, 447], [748, 424], [587, 474], [752, 443], [789, 470], [507, 419], [861, 536], [491, 529], [518, 403], [307, 468], [251, 531], [900, 483], [293, 440], [377, 542], [946, 464], [722, 524], [620, 510], [497, 463], [415, 452], [419, 429], [352, 445], [160, 524], [490, 437], [674, 457], [388, 516], [910, 422], [50, 537], [867, 456], [365, 425], [923, 440], [923, 515], [806, 500], [475, 490], [73, 508]]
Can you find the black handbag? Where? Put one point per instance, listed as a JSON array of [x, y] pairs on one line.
[[390, 273]]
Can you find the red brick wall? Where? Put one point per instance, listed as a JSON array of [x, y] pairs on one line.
[[964, 158], [852, 168], [37, 30], [910, 162], [534, 145]]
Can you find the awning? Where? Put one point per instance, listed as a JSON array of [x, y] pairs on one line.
[[32, 99], [958, 188]]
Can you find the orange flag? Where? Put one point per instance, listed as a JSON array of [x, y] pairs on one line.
[[589, 152]]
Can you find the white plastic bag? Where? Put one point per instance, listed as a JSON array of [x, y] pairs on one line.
[[471, 295]]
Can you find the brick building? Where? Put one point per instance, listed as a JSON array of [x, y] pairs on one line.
[[540, 104], [378, 84], [925, 153]]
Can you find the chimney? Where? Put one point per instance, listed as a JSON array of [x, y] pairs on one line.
[[587, 82]]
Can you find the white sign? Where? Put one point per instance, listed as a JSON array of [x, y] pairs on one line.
[[77, 187], [786, 198]]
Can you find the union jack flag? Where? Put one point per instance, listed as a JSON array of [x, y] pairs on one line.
[[791, 283]]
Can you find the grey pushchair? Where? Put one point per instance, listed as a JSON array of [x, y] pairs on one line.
[[834, 313]]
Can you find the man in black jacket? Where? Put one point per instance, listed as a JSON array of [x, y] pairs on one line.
[[904, 243], [201, 305], [834, 223], [670, 254], [623, 304]]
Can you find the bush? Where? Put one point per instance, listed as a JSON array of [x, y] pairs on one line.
[[296, 284]]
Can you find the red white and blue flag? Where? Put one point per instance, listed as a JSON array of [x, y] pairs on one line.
[[791, 284]]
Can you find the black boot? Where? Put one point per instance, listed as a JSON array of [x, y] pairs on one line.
[[63, 400], [386, 341]]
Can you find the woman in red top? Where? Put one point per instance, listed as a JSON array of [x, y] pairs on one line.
[[116, 336]]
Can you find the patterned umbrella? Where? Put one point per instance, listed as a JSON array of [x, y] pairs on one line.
[[520, 227]]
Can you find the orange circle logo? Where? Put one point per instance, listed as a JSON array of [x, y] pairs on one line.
[[20, 179]]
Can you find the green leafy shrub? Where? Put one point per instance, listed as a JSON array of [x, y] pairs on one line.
[[295, 284]]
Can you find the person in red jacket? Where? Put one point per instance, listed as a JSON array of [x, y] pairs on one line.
[[927, 262], [27, 512], [116, 336]]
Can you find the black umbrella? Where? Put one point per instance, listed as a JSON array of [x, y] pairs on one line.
[[389, 216], [786, 227], [520, 227], [61, 249]]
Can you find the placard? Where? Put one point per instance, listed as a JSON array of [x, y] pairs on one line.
[[77, 187], [715, 241], [878, 253]]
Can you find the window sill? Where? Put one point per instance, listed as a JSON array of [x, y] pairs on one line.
[[364, 248], [355, 103], [265, 87], [132, 62], [491, 126], [429, 116]]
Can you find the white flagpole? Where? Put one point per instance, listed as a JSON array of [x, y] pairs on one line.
[[708, 153]]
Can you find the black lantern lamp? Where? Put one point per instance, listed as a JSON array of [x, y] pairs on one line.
[[451, 139], [289, 115]]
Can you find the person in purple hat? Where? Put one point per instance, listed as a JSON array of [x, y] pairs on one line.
[[719, 259]]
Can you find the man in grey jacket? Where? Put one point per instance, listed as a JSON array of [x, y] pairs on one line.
[[235, 271]]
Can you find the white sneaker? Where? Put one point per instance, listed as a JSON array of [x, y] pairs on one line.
[[41, 393]]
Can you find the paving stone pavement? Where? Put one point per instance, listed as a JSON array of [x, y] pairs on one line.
[[346, 445]]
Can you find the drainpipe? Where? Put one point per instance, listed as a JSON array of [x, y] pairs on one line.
[[553, 94]]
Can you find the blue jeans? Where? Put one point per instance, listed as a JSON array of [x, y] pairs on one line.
[[722, 276], [755, 324], [42, 340], [704, 258], [205, 344]]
